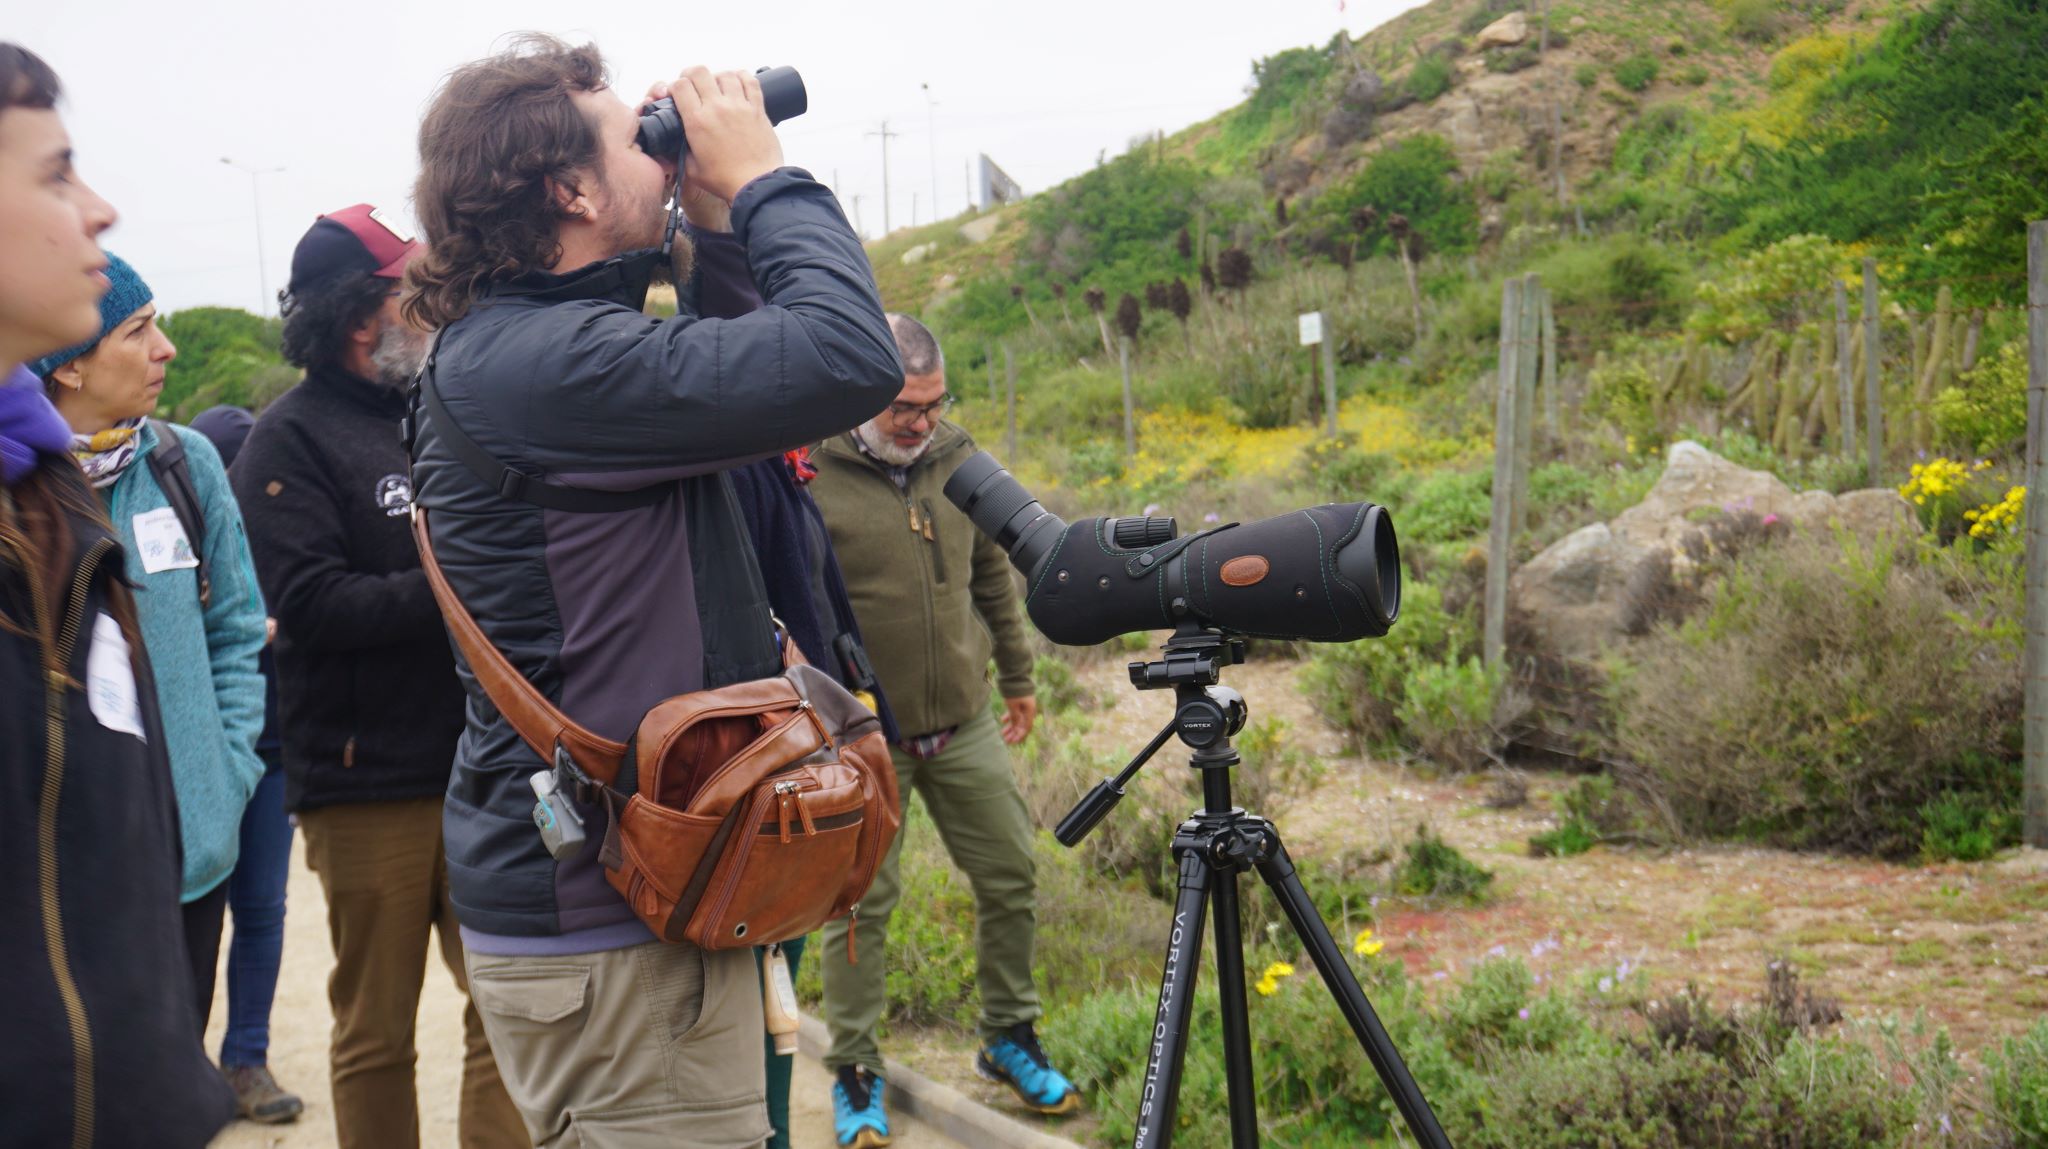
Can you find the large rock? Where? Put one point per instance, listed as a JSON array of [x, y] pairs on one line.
[[1505, 32], [1578, 593]]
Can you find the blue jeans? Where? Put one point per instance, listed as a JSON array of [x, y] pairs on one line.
[[256, 896]]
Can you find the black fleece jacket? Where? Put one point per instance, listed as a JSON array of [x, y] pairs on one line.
[[370, 705], [100, 1024]]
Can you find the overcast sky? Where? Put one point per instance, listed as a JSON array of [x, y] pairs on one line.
[[158, 92]]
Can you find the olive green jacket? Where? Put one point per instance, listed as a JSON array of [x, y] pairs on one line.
[[934, 596]]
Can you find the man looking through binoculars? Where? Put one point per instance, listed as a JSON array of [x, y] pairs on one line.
[[571, 459]]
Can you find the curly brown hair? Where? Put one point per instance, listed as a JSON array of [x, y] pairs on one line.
[[500, 139]]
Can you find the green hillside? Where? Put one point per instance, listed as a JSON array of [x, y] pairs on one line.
[[1689, 179]]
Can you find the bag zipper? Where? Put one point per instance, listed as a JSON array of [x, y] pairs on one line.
[[57, 681], [732, 881]]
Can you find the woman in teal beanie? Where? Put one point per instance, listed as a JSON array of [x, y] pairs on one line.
[[199, 607]]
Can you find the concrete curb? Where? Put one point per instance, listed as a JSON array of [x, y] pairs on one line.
[[944, 1109]]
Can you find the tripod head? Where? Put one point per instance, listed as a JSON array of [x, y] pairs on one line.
[[1205, 716]]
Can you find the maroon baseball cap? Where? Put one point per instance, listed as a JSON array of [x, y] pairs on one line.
[[355, 239]]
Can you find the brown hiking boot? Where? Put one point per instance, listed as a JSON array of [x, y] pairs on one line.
[[258, 1097]]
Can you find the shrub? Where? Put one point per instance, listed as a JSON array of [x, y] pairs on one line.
[[1447, 710], [1433, 868], [1273, 766], [1826, 693], [1361, 686], [1968, 826], [1987, 411], [1413, 178], [1587, 813], [2017, 1075], [1448, 506], [1510, 60], [1760, 21], [1429, 78], [1636, 73], [1339, 470], [1587, 75]]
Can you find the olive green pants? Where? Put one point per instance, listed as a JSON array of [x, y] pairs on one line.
[[971, 795]]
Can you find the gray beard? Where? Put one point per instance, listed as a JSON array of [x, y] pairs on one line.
[[398, 356], [883, 446]]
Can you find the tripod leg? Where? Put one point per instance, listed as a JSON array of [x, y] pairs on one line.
[[1278, 871], [1160, 1097], [1237, 1033]]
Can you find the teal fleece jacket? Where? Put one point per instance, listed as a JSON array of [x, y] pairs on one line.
[[207, 683]]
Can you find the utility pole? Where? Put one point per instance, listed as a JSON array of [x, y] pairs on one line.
[[256, 199], [886, 135], [858, 229], [931, 140]]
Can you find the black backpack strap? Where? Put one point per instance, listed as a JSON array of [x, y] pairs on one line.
[[508, 483], [174, 478]]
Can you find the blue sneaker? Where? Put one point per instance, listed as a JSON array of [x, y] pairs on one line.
[[858, 1119], [1016, 1060]]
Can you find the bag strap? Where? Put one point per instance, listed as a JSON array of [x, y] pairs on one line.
[[508, 483], [174, 478], [551, 733]]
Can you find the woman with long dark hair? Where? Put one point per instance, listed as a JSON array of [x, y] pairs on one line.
[[102, 1034]]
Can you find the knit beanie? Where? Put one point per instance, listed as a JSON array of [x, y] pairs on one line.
[[122, 300]]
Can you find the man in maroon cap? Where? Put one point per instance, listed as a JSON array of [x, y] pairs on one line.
[[370, 708]]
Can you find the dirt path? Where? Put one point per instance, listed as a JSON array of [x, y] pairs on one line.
[[1967, 944], [299, 1033]]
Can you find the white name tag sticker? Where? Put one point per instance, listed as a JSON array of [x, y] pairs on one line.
[[161, 542], [110, 679]]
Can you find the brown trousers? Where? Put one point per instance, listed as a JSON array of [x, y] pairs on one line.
[[385, 876]]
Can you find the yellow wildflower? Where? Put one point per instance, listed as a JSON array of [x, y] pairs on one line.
[[1269, 981], [1365, 945]]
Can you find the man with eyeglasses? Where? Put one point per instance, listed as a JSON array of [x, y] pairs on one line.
[[935, 600]]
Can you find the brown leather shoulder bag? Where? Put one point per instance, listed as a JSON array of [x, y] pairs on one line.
[[753, 813]]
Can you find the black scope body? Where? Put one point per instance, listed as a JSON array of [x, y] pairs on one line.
[[1330, 573], [661, 126]]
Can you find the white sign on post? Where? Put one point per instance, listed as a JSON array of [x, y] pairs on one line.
[[1311, 328]]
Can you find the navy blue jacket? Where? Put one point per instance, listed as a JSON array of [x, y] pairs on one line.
[[609, 613]]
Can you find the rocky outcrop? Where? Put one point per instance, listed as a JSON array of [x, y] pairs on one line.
[[1578, 593], [1506, 32]]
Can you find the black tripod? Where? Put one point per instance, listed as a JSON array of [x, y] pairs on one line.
[[1211, 848]]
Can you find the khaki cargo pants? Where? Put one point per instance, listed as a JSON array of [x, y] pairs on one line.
[[650, 1047]]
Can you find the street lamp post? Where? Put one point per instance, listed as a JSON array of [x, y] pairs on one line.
[[256, 199], [931, 137]]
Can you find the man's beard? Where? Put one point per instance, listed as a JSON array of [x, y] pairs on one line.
[[398, 356], [882, 445]]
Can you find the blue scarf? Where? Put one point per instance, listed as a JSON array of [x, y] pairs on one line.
[[29, 426]]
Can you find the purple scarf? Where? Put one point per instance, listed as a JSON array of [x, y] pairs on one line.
[[29, 426]]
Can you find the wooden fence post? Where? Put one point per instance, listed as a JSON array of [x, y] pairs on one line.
[[1010, 439], [1845, 379], [1551, 423], [2034, 665], [1330, 379], [1494, 646], [1526, 362], [990, 356], [1130, 412], [1873, 398]]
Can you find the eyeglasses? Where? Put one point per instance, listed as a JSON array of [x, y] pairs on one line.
[[911, 413]]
